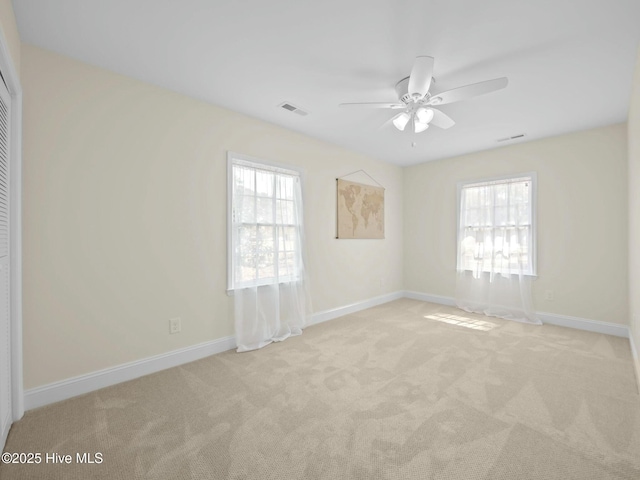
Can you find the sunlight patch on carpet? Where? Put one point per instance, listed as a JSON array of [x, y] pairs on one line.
[[462, 321]]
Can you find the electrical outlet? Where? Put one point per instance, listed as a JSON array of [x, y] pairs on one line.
[[175, 325], [549, 296]]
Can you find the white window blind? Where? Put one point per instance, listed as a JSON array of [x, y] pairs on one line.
[[265, 224], [496, 228]]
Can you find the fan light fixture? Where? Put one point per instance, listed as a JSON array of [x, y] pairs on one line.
[[424, 115], [418, 103], [401, 120], [419, 126], [421, 118]]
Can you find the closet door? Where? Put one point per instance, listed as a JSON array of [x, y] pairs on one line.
[[5, 331]]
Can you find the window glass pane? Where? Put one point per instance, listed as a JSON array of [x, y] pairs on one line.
[[244, 180], [524, 214], [286, 264], [284, 212], [500, 216], [245, 208], [500, 194], [265, 252], [284, 187], [264, 183], [287, 237], [264, 212], [245, 253]]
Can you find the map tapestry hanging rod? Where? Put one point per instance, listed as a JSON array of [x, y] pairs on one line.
[[360, 212]]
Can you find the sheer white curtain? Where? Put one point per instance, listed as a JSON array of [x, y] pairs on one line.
[[268, 275], [495, 248]]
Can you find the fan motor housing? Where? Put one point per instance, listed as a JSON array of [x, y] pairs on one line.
[[402, 89]]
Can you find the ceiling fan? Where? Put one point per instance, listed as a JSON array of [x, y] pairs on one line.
[[416, 102]]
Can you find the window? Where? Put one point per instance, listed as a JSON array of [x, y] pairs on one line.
[[496, 226], [265, 212]]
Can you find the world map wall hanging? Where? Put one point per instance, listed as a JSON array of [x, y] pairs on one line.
[[360, 210]]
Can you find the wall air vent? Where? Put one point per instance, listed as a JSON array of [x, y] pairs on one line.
[[507, 139], [292, 108]]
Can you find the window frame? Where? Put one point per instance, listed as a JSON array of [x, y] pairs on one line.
[[534, 216], [268, 166]]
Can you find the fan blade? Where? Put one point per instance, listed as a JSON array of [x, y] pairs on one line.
[[441, 120], [374, 105], [420, 79], [468, 91]]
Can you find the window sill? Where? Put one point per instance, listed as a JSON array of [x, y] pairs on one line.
[[230, 291], [532, 275]]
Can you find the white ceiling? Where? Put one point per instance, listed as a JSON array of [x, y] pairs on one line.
[[569, 62]]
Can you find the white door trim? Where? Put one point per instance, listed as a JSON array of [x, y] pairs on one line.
[[12, 81]]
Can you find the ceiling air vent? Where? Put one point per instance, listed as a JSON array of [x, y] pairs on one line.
[[507, 139], [292, 108]]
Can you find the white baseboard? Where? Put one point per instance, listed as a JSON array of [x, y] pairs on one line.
[[425, 297], [636, 360], [54, 392], [354, 307], [596, 326]]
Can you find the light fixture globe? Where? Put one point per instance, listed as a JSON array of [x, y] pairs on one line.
[[400, 121], [424, 115], [419, 126]]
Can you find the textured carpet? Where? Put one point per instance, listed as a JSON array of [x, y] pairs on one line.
[[406, 390]]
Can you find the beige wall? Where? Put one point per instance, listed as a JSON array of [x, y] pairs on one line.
[[634, 210], [125, 218], [582, 220], [10, 32]]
